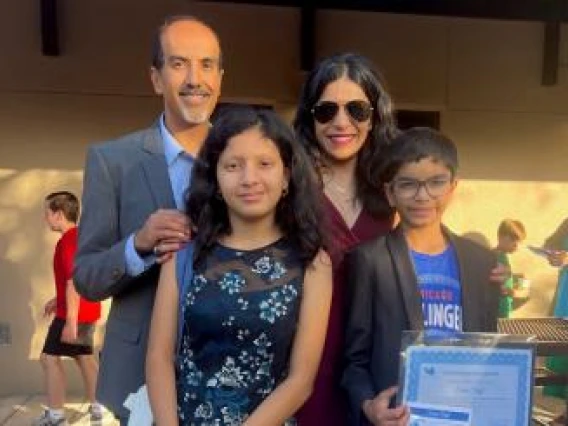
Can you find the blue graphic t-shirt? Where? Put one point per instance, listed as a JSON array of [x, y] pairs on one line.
[[439, 285]]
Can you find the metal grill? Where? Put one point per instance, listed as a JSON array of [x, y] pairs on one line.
[[545, 329]]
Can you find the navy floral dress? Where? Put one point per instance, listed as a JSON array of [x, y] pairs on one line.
[[240, 317]]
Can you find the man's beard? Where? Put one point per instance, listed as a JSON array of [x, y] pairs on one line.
[[194, 117]]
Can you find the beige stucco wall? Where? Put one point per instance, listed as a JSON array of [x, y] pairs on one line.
[[484, 77]]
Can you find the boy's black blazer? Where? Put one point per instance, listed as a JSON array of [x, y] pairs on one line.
[[385, 300]]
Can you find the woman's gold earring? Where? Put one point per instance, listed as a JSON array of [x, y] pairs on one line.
[[285, 191]]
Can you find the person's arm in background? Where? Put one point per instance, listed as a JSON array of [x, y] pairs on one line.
[[289, 395], [558, 258], [69, 333], [160, 375], [106, 263], [50, 307], [65, 252], [558, 255], [499, 274], [492, 292]]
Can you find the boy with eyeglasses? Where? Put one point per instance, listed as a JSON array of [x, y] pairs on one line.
[[420, 276]]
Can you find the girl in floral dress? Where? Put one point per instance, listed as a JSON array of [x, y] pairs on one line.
[[255, 312]]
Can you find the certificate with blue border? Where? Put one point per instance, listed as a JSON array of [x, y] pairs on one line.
[[493, 381]]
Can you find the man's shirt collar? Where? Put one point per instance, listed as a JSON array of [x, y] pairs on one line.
[[172, 148]]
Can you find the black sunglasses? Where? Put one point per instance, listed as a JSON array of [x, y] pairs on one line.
[[358, 110]]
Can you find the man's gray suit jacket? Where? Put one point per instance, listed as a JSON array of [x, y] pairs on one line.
[[125, 181]]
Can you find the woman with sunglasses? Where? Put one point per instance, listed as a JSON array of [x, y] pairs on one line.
[[344, 118]]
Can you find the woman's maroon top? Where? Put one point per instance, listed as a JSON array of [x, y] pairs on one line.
[[328, 402]]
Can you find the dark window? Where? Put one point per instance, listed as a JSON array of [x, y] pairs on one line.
[[407, 119]]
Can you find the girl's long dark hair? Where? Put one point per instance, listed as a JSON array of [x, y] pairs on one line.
[[298, 213], [359, 70]]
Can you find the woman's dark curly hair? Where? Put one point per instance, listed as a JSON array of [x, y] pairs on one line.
[[298, 213], [359, 70]]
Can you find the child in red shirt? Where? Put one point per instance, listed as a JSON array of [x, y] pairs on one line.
[[71, 331]]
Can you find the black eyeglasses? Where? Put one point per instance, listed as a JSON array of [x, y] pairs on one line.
[[358, 110], [408, 188]]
